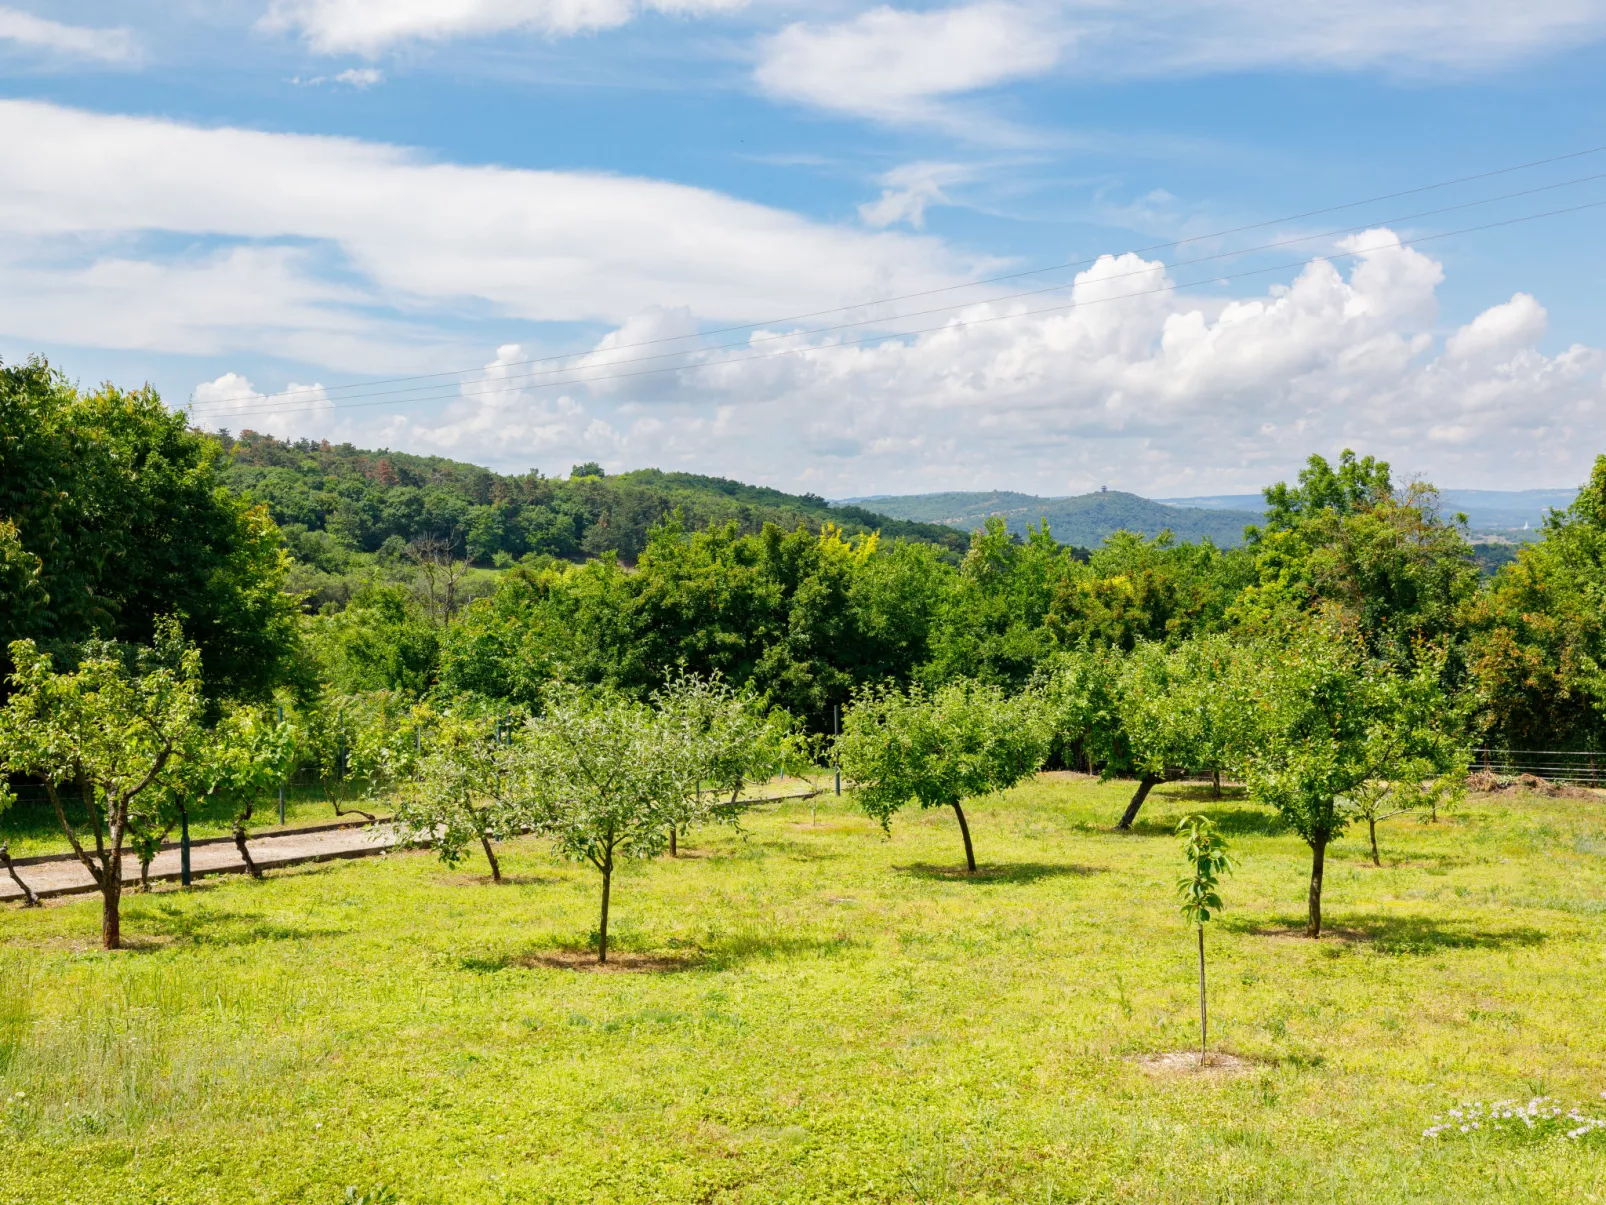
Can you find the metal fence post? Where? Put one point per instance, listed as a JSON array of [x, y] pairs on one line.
[[281, 780], [836, 730]]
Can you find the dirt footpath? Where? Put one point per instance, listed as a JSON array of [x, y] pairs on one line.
[[68, 876]]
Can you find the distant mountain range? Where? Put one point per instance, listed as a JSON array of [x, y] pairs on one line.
[[1085, 519], [1494, 512]]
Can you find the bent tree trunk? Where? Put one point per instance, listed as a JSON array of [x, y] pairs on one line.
[[496, 867], [1318, 856], [1144, 787], [29, 899], [240, 821], [1371, 828], [964, 830]]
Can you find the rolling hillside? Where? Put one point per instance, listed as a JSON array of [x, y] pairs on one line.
[[1503, 512], [338, 499], [1083, 520]]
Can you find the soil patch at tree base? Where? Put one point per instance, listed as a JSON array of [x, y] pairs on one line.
[[1186, 1062], [622, 961]]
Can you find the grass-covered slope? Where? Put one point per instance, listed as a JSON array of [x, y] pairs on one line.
[[363, 498], [1083, 520], [833, 1017]]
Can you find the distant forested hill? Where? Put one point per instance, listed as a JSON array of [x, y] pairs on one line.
[[1084, 520], [363, 500], [1493, 511]]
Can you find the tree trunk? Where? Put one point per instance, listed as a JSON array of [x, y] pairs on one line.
[[239, 843], [1131, 813], [29, 899], [144, 876], [111, 892], [1215, 783], [496, 868], [964, 829], [1318, 855], [1371, 827], [602, 933], [1203, 1019], [673, 851]]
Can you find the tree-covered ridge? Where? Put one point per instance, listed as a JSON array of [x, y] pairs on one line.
[[1084, 520], [361, 499]]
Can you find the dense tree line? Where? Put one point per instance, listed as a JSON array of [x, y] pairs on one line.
[[334, 500], [1340, 663]]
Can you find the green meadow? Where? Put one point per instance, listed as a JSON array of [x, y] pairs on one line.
[[807, 1011]]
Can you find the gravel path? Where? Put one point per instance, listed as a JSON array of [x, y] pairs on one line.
[[67, 876]]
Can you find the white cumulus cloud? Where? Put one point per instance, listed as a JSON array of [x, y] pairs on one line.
[[1130, 382], [898, 65]]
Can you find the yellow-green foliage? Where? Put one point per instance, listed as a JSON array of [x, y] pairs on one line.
[[851, 1020]]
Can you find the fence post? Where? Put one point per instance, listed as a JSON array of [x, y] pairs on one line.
[[281, 780], [836, 730]]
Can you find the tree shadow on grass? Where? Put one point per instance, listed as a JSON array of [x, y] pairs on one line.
[[716, 952], [1234, 822], [1199, 792], [1000, 872], [1397, 934], [205, 925]]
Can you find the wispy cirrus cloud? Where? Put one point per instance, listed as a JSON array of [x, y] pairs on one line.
[[370, 27], [331, 241], [27, 31], [911, 65]]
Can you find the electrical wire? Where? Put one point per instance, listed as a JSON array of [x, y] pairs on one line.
[[970, 284], [965, 323], [467, 390]]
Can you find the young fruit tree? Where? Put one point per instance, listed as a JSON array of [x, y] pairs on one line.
[[602, 780], [1078, 689], [1181, 712], [251, 752], [1419, 752], [962, 741], [1205, 851], [105, 734], [359, 744], [1313, 743], [468, 789], [721, 740]]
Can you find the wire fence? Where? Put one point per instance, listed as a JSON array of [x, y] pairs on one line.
[[1583, 767]]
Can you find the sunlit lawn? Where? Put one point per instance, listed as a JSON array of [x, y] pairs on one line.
[[826, 1016]]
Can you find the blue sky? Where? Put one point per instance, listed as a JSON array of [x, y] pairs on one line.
[[270, 208]]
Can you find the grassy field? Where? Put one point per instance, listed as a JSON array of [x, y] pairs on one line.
[[815, 1013]]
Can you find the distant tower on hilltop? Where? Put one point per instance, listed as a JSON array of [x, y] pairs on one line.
[[1104, 489]]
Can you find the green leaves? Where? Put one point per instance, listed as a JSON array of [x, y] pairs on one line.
[[1205, 851], [118, 518], [964, 740]]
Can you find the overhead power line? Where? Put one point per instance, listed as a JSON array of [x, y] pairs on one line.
[[1058, 267], [469, 389], [947, 326]]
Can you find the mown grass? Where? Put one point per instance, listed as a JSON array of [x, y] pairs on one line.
[[828, 1016]]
